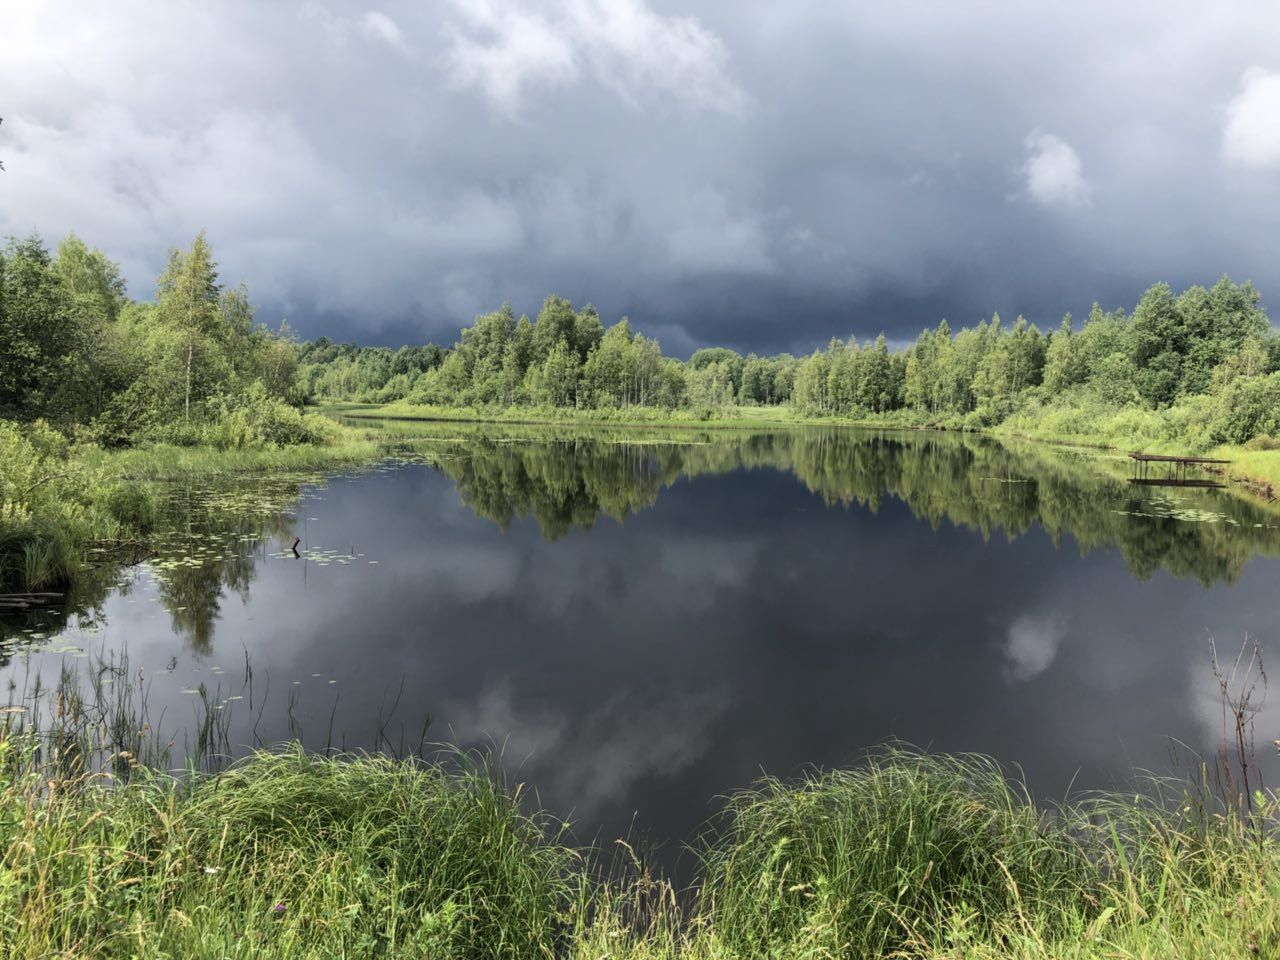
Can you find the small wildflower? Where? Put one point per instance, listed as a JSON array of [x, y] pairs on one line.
[[278, 908], [211, 870]]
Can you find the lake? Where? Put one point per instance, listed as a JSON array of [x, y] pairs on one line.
[[641, 620]]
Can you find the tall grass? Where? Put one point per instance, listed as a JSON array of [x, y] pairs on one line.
[[914, 855], [57, 499], [873, 859], [52, 505], [283, 855], [105, 853], [170, 462]]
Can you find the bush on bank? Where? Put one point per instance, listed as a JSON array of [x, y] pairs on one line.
[[57, 497], [51, 505]]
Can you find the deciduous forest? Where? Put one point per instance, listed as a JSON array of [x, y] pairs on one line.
[[193, 364]]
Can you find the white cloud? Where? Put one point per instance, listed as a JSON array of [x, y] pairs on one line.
[[635, 51], [505, 50], [379, 26], [1031, 645], [1053, 171], [504, 47], [1251, 136]]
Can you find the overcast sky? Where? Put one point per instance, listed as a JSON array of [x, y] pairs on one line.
[[749, 172]]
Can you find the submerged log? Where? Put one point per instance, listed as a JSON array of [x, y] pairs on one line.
[[18, 602]]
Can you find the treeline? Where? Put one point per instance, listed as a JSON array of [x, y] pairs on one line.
[[345, 371], [563, 358], [1206, 358], [192, 366]]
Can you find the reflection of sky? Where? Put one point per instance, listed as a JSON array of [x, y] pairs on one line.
[[738, 626]]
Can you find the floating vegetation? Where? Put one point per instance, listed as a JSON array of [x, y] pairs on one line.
[[1178, 508]]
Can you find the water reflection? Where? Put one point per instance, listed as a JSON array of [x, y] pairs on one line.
[[643, 621], [976, 483]]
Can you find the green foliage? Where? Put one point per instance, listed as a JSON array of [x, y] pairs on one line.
[[76, 351], [922, 855], [333, 371], [255, 418], [284, 855], [565, 359], [38, 338], [51, 506], [288, 855], [851, 380], [192, 368], [1247, 407], [555, 381], [876, 858], [131, 505]]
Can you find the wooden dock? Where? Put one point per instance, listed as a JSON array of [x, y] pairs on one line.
[[1175, 472], [1176, 482], [1162, 458]]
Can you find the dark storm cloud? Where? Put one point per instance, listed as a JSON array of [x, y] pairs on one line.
[[755, 173]]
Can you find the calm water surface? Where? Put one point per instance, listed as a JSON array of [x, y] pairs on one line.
[[641, 621]]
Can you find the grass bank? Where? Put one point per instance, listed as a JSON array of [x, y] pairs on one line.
[[1180, 430], [168, 462], [290, 855], [58, 498], [1173, 431], [285, 854], [726, 418]]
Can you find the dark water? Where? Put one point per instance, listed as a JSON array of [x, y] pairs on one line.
[[643, 621]]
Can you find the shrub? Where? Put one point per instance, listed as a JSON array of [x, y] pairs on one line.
[[1247, 407], [129, 504], [179, 433], [255, 418], [51, 506]]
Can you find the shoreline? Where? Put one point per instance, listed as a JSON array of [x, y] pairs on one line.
[[1260, 479], [1252, 472]]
